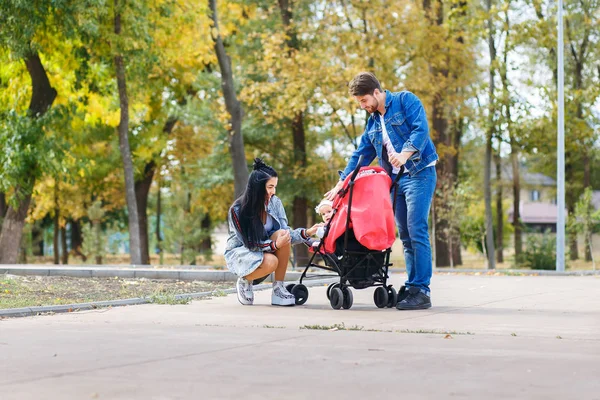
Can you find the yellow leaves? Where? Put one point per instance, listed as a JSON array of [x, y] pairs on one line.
[[101, 109]]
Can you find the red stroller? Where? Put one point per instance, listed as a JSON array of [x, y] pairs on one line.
[[358, 240]]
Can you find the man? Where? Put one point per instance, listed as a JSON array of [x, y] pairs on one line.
[[397, 133]]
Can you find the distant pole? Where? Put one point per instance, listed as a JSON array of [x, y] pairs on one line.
[[560, 171]]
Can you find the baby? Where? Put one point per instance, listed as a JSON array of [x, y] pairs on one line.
[[325, 210]]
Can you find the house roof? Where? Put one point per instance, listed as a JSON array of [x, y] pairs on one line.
[[527, 178], [537, 213]]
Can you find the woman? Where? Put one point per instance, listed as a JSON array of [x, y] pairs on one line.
[[260, 240]]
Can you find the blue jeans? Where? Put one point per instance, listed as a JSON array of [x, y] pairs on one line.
[[413, 202]]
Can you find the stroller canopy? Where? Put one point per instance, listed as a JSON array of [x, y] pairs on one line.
[[371, 217]]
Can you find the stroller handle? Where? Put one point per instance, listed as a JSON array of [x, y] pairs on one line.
[[358, 165], [399, 175]]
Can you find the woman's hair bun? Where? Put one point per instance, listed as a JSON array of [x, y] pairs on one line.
[[258, 164]]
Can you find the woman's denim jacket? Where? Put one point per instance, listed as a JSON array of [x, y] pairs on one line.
[[406, 124], [277, 212]]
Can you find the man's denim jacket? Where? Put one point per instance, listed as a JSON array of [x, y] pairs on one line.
[[406, 125]]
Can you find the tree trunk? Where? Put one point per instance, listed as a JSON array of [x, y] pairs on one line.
[[300, 203], [587, 173], [448, 164], [12, 231], [3, 207], [99, 244], [234, 108], [142, 189], [206, 244], [489, 229], [42, 97], [571, 198], [499, 211], [37, 239], [573, 248], [56, 237], [514, 156], [187, 211], [77, 239], [65, 250], [158, 235], [134, 228], [514, 147]]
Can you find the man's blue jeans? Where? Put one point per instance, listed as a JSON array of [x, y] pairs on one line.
[[413, 202]]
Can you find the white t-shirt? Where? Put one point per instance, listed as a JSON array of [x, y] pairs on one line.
[[390, 148]]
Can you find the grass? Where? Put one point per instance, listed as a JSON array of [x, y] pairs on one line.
[[343, 327], [29, 291], [337, 327]]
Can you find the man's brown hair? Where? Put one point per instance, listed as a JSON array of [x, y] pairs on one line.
[[364, 83]]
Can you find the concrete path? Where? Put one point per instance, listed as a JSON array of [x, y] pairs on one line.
[[487, 337]]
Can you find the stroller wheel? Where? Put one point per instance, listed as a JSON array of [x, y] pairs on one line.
[[289, 287], [348, 297], [331, 286], [301, 293], [337, 298], [381, 297], [393, 297]]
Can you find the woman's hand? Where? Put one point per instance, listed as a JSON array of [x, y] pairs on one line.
[[313, 229], [283, 239], [331, 194]]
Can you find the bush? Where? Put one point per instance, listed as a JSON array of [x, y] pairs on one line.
[[539, 252]]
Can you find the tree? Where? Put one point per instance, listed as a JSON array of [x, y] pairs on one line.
[[234, 107], [134, 227]]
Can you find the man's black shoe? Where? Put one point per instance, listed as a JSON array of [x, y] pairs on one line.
[[415, 300], [402, 293]]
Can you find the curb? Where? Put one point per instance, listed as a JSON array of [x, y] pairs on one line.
[[31, 311], [108, 272], [539, 272], [202, 274]]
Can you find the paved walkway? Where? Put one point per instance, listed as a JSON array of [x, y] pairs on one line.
[[492, 337]]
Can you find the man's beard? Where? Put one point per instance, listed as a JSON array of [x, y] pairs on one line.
[[372, 110]]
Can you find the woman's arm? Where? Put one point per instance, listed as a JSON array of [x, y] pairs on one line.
[[298, 235]]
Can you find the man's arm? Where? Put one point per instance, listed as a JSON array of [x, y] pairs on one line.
[[365, 149], [416, 118]]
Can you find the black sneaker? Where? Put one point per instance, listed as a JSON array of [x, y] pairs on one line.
[[402, 293], [415, 300]]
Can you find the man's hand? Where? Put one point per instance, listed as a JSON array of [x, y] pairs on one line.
[[331, 194], [399, 159]]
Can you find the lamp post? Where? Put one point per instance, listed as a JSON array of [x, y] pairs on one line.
[[560, 156]]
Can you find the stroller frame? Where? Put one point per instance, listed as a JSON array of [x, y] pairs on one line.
[[339, 293]]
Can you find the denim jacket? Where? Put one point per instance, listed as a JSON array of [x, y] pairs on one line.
[[277, 212], [242, 260], [406, 125]]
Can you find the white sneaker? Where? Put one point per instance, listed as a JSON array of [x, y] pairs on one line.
[[281, 296], [245, 294]]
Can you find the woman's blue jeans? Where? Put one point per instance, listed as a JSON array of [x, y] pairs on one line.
[[413, 202]]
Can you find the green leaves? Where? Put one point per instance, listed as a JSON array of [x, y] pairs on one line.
[[27, 150]]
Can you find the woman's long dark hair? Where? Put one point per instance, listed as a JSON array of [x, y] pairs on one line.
[[252, 203]]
